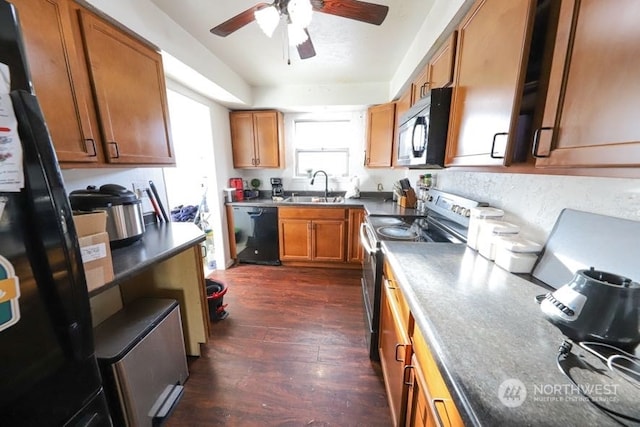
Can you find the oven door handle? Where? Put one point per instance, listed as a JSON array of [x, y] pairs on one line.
[[365, 240]]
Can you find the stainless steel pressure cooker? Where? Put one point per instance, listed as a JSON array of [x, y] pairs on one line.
[[125, 223]]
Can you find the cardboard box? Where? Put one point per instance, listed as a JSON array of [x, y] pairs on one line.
[[94, 248]]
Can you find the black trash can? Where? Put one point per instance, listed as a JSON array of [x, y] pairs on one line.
[[215, 296]]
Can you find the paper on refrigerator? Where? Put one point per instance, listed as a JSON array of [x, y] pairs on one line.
[[11, 170]]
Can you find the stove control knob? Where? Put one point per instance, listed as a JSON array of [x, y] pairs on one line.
[[464, 211], [430, 198]]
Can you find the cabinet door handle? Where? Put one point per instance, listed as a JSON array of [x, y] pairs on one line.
[[257, 161], [439, 422], [115, 144], [536, 143], [396, 352], [93, 144], [404, 376], [493, 145]]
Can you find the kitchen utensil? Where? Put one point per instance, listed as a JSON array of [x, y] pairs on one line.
[[125, 223], [596, 306], [158, 201]]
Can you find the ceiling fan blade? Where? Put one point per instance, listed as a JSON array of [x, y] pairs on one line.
[[306, 49], [353, 9], [238, 21]]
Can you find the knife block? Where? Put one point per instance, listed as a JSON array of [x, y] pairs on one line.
[[409, 199]]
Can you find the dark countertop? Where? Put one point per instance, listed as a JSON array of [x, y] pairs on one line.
[[374, 206], [159, 242], [484, 327]]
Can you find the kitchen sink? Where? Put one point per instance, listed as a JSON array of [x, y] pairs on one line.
[[314, 199]]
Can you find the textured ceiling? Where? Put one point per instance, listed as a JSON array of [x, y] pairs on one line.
[[348, 51]]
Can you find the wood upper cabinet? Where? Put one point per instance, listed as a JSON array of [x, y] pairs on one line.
[[129, 89], [312, 234], [439, 70], [355, 251], [590, 117], [59, 79], [381, 128], [256, 139], [442, 64], [491, 64]]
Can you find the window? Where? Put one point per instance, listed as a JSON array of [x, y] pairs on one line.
[[322, 145]]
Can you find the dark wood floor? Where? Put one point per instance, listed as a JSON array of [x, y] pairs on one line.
[[291, 353]]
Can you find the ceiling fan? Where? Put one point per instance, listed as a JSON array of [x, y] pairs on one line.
[[297, 14]]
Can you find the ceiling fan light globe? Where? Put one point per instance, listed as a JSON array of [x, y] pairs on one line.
[[296, 34], [268, 19], [300, 12]]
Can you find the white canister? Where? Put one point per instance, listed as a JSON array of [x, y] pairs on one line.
[[516, 254], [476, 217], [489, 231]]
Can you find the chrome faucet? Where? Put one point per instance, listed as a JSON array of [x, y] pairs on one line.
[[326, 182]]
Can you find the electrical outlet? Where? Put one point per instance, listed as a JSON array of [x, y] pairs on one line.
[[380, 187]]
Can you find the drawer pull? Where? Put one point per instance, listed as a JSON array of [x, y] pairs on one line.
[[404, 376], [439, 422], [396, 352]]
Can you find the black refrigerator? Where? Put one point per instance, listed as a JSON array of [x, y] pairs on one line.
[[48, 371]]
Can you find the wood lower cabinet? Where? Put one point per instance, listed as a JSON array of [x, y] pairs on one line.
[[590, 116], [312, 234], [256, 139], [490, 72], [129, 89], [416, 392], [394, 347], [355, 251], [381, 130], [59, 78], [430, 403]]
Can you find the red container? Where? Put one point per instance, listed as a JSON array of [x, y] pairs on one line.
[[237, 183]]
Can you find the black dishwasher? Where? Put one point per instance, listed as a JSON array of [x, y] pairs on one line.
[[256, 233]]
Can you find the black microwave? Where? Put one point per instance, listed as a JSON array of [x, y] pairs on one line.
[[422, 132]]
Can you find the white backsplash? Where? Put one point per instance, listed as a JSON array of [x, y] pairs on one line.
[[535, 201], [78, 179]]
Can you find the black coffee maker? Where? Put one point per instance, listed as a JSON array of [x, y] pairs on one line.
[[276, 187]]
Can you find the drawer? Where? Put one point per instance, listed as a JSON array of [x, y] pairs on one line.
[[397, 300], [312, 213]]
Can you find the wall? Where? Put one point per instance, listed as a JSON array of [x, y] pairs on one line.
[[77, 179], [535, 201]]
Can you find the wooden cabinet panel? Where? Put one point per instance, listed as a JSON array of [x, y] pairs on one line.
[[420, 85], [256, 138], [395, 354], [312, 234], [594, 92], [381, 128], [266, 133], [419, 411], [242, 138], [355, 251], [489, 76], [129, 88], [440, 403], [295, 239], [328, 241], [442, 64], [60, 80]]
